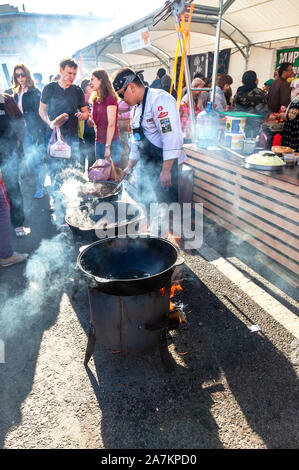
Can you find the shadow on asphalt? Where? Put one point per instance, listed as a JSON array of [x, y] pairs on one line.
[[229, 245], [145, 407], [25, 314]]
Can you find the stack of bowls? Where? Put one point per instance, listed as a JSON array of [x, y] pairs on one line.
[[234, 132]]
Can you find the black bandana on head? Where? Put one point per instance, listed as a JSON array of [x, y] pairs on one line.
[[124, 79]]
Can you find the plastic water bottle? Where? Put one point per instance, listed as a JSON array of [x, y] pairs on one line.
[[207, 127]]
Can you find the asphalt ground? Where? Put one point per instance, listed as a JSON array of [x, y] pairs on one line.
[[229, 388]]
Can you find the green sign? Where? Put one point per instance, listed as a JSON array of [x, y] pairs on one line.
[[288, 55]]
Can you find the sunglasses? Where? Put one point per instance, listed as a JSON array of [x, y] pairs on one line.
[[122, 94], [23, 75]]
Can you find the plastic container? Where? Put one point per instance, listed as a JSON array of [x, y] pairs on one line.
[[207, 127], [249, 146], [234, 141], [290, 159], [235, 125]]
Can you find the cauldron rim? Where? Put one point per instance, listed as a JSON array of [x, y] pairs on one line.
[[103, 182], [84, 249], [135, 219]]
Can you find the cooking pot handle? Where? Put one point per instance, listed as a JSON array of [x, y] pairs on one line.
[[180, 260], [82, 248], [102, 280]]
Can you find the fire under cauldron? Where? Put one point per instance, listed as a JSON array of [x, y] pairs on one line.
[[129, 283], [85, 220]]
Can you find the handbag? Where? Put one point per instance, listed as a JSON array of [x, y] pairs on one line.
[[102, 170], [57, 147]]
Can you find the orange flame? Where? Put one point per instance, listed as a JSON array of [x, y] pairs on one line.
[[162, 291], [173, 239], [175, 288]]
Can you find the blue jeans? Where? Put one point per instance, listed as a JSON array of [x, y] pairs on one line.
[[35, 160], [115, 151], [56, 165], [6, 250]]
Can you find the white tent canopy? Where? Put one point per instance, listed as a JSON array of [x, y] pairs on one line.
[[244, 24]]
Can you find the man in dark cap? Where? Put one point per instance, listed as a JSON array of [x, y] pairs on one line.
[[157, 139], [157, 82]]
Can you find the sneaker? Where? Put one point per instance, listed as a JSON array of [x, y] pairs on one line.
[[20, 232], [39, 194], [14, 259]]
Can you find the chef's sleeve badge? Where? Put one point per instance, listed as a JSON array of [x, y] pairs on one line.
[[165, 125]]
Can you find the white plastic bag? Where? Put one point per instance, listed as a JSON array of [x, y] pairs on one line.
[[57, 147]]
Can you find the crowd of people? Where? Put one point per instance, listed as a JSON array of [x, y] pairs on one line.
[[122, 118]]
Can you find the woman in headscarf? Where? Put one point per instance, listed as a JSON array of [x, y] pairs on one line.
[[251, 99]]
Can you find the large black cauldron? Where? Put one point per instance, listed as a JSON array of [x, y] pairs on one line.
[[129, 266], [126, 215], [104, 191]]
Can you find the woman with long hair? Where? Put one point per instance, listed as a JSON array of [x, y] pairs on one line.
[[27, 97], [104, 115]]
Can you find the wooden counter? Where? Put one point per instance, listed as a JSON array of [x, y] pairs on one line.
[[260, 207]]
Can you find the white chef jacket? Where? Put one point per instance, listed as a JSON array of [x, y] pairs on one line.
[[161, 125]]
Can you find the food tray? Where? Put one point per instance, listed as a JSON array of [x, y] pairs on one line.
[[274, 127], [254, 166]]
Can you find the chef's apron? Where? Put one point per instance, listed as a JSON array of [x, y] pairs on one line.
[[151, 163]]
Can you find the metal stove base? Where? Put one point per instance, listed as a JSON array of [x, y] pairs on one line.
[[165, 356]]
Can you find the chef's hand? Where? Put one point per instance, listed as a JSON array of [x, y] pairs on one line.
[[165, 178], [129, 168]]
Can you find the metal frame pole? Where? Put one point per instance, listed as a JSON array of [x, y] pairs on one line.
[[247, 57], [216, 53], [187, 80]]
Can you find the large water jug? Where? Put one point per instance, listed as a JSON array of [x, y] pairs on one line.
[[207, 127]]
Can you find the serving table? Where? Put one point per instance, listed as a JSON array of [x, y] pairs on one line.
[[261, 207]]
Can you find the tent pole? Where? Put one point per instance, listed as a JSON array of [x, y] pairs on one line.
[[187, 80], [216, 53], [247, 57]]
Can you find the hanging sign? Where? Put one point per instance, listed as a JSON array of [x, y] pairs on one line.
[[288, 55], [134, 41], [223, 62]]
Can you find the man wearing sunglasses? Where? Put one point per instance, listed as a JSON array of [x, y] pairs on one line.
[[157, 139]]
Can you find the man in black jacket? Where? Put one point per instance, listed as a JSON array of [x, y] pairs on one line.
[[157, 82]]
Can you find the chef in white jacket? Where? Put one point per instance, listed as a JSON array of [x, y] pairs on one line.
[[157, 139]]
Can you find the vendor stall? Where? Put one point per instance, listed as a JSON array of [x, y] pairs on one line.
[[261, 207]]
